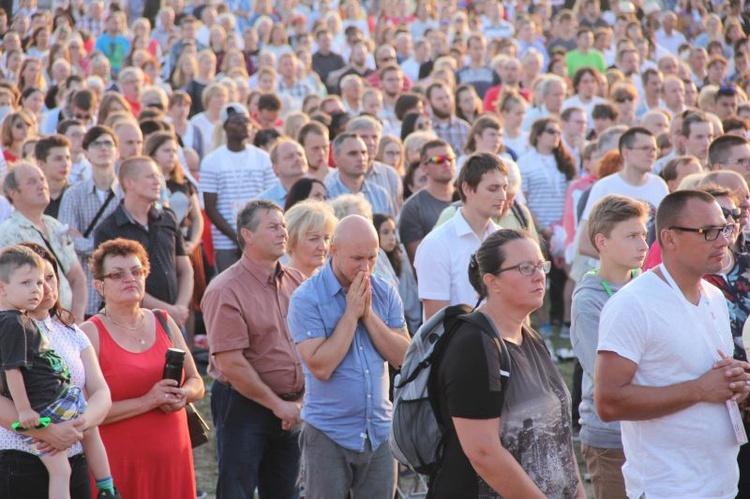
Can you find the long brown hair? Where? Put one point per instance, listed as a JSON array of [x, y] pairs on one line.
[[154, 142], [564, 160]]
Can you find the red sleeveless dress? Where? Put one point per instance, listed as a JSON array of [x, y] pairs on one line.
[[150, 455]]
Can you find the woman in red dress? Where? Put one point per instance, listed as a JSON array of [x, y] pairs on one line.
[[145, 432]]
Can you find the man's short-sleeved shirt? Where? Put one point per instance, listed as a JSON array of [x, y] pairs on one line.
[[231, 309], [442, 261], [162, 240], [18, 229], [235, 178], [419, 215], [377, 196], [353, 404], [692, 452]]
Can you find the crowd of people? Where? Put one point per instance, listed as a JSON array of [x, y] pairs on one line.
[[294, 187]]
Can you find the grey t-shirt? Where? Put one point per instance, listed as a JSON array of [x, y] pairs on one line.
[[419, 215]]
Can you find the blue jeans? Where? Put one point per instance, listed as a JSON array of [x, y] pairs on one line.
[[23, 476], [253, 449]]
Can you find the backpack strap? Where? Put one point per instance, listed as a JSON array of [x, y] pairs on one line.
[[480, 320]]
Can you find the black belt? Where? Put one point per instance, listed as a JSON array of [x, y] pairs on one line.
[[289, 397]]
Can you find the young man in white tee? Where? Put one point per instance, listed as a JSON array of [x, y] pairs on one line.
[[664, 366], [638, 150]]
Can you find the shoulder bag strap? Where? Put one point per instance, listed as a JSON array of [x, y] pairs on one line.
[[161, 316], [99, 214]]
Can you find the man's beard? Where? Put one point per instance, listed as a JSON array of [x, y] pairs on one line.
[[440, 114]]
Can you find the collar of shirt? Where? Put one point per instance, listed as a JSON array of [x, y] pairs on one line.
[[259, 272], [330, 281], [463, 228], [91, 186], [123, 216]]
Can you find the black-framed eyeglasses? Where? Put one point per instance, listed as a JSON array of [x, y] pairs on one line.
[[552, 131], [528, 268], [119, 275], [709, 233], [734, 213], [623, 100]]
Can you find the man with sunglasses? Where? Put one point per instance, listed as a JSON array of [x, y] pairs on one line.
[[638, 149], [664, 366], [422, 210]]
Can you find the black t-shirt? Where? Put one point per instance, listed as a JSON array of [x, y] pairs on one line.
[[23, 347], [468, 385], [534, 408]]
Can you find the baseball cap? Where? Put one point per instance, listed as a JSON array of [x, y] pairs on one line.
[[231, 109]]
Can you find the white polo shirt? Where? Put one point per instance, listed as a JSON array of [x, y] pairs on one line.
[[442, 261]]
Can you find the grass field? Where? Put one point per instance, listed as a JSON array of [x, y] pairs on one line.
[[205, 456]]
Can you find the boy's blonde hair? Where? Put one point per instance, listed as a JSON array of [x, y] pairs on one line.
[[611, 210]]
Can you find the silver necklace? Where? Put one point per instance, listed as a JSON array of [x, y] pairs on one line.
[[138, 327]]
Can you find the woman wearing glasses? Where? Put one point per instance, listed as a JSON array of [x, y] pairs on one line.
[[510, 438], [734, 282], [131, 344]]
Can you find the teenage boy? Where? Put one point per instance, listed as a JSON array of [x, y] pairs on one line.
[[617, 230], [35, 377]]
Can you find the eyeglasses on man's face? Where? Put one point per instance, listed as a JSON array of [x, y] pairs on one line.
[[709, 233]]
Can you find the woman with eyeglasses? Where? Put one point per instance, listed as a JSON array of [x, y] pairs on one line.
[[415, 122], [17, 127], [391, 152], [145, 431], [504, 436], [734, 282]]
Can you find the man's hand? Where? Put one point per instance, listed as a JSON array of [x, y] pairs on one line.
[[368, 299], [179, 313], [726, 381], [356, 297], [288, 413]]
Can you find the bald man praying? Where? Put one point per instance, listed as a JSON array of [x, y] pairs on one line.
[[348, 325]]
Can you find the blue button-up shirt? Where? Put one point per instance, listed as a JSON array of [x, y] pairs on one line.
[[374, 194], [353, 404], [275, 193]]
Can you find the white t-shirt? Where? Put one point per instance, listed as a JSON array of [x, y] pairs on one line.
[[442, 261], [236, 178], [206, 128], [691, 453], [652, 192]]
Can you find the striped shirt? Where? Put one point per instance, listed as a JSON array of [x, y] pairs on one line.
[[78, 207], [544, 187], [235, 178]]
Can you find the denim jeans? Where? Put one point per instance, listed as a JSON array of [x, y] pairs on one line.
[[23, 476], [253, 450]]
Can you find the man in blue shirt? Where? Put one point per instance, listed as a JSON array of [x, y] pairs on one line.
[[351, 158], [348, 325]]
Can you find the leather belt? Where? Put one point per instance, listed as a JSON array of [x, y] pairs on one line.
[[289, 397]]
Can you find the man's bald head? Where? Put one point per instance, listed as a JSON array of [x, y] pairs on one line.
[[354, 228]]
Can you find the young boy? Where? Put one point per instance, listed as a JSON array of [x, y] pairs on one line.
[[35, 377], [617, 230]]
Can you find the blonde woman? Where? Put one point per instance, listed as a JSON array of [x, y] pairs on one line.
[[214, 97], [186, 70], [206, 66], [391, 152], [17, 128], [310, 225], [31, 75]]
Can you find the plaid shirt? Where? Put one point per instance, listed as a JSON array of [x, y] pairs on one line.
[[455, 132], [78, 207]]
